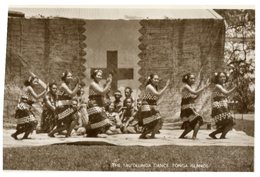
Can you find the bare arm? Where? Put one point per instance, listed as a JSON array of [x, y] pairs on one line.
[[68, 91], [35, 95], [155, 92], [39, 80], [118, 121], [48, 102], [42, 83], [195, 92], [99, 89], [223, 90]]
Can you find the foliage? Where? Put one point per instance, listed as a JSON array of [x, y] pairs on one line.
[[240, 55]]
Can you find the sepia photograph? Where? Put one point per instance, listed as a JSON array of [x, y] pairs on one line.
[[129, 89]]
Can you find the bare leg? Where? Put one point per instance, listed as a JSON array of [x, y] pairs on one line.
[[156, 128], [70, 128], [145, 132], [25, 136], [187, 129], [56, 130], [225, 131], [214, 133], [195, 132], [15, 134]]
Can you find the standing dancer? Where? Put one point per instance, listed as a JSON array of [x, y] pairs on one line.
[[26, 121], [220, 112], [97, 116], [64, 108], [191, 119], [151, 118]]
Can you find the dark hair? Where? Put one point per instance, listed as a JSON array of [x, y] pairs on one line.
[[94, 73], [29, 81], [79, 92], [64, 75], [51, 84], [150, 81], [117, 91], [129, 99], [138, 99], [186, 78], [215, 79], [129, 88]]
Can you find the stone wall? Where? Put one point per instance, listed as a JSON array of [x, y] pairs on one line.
[[172, 48], [46, 47]]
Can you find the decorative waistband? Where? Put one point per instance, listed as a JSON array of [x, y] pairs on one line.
[[100, 124], [26, 119], [94, 110], [65, 113], [151, 119]]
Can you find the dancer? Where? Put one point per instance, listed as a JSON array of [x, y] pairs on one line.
[[48, 118], [26, 121], [97, 116], [220, 112], [191, 119], [65, 110], [151, 118]]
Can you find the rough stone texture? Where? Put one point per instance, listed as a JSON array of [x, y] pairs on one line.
[[172, 48], [46, 47]]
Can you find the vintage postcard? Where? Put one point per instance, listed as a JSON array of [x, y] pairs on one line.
[[129, 89]]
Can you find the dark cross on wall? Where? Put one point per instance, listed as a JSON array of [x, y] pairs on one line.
[[112, 67]]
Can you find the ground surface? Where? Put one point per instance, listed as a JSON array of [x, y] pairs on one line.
[[166, 137]]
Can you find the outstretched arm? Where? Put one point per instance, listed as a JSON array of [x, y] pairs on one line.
[[197, 92], [101, 90], [39, 80], [35, 95], [155, 92], [223, 90], [68, 91]]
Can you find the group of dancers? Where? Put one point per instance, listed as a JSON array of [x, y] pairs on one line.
[[66, 109]]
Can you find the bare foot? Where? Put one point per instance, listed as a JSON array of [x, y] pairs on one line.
[[142, 137], [212, 136], [51, 135], [182, 137], [194, 138], [14, 136]]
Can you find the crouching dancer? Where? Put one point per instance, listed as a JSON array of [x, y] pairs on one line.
[[151, 118], [26, 121], [190, 117]]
